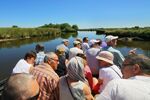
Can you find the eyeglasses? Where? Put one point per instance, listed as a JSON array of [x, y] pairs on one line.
[[55, 59]]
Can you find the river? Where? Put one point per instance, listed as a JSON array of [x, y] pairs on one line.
[[12, 51]]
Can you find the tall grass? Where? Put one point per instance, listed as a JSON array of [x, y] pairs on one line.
[[18, 33], [130, 32]]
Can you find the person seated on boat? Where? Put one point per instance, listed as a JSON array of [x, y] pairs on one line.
[[47, 78], [64, 44], [91, 54], [108, 70], [111, 43], [74, 85], [40, 54], [93, 82], [136, 82], [85, 45], [75, 50], [61, 68], [25, 65], [21, 86]]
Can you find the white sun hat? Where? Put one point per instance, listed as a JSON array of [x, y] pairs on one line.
[[106, 56]]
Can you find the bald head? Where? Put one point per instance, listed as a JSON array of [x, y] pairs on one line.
[[20, 87]]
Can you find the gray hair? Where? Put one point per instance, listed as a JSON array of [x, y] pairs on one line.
[[140, 59], [49, 56]]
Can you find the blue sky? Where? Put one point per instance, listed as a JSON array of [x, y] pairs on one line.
[[84, 13]]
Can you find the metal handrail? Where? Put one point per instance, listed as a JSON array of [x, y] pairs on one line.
[[2, 84]]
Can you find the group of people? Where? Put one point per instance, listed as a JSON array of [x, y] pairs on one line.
[[92, 69]]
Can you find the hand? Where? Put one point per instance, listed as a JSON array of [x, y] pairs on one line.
[[132, 51], [100, 81]]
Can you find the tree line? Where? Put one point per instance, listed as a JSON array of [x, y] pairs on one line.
[[15, 32], [64, 27]]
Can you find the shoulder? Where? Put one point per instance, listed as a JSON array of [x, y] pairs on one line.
[[87, 92], [107, 69], [47, 73]]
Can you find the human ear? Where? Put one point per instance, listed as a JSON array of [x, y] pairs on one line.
[[49, 62], [136, 69]]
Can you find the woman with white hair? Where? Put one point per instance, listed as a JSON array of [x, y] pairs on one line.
[[74, 86]]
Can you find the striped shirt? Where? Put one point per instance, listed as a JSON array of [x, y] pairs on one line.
[[48, 82]]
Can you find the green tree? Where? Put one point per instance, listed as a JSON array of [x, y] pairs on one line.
[[75, 27], [14, 26]]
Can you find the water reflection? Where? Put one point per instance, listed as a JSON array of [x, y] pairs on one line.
[[135, 44], [142, 47]]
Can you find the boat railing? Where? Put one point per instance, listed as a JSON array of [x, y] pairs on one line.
[[2, 84]]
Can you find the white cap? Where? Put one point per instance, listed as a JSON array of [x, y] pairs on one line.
[[93, 41], [110, 38], [65, 40]]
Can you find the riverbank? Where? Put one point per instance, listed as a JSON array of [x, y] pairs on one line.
[[135, 33], [125, 34], [8, 34]]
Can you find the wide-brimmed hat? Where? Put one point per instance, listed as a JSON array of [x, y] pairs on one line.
[[110, 38], [106, 56]]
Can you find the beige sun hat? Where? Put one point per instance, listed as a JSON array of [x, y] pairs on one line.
[[106, 56]]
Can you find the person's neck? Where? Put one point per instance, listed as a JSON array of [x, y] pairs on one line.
[[143, 74], [147, 75]]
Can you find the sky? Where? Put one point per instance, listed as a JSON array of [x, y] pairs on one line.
[[84, 13]]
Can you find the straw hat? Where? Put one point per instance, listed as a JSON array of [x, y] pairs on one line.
[[105, 56]]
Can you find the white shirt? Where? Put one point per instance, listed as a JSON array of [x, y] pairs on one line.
[[22, 67], [135, 88], [39, 57], [109, 73], [74, 51]]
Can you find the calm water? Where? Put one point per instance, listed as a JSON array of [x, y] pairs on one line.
[[12, 51]]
